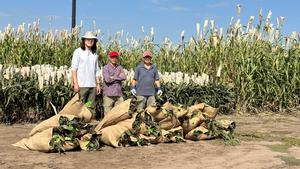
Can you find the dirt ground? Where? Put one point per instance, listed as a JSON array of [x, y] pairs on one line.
[[268, 141]]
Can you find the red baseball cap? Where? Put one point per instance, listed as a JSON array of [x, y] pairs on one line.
[[147, 53], [113, 54]]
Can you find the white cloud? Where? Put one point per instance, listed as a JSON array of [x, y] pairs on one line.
[[159, 2], [219, 4], [179, 8], [3, 14], [168, 6]]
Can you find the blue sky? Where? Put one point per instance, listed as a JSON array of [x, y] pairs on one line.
[[168, 17]]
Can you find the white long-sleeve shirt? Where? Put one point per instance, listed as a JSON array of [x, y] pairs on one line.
[[86, 65]]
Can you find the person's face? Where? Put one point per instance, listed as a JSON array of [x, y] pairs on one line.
[[147, 59], [89, 42], [114, 60]]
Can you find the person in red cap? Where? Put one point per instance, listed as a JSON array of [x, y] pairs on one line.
[[113, 75], [146, 82]]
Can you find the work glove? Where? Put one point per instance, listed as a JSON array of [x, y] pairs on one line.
[[159, 92], [133, 92]]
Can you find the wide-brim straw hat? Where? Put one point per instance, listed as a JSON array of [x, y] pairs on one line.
[[89, 35]]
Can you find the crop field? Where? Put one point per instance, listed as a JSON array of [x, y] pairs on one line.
[[250, 72]]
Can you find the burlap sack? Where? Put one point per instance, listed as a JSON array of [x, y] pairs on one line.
[[160, 113], [177, 135], [204, 124], [210, 112], [195, 108], [128, 123], [49, 123], [118, 113], [77, 108], [199, 133], [169, 123], [226, 124], [85, 140], [111, 135], [40, 142], [180, 112], [143, 128], [168, 136], [150, 139], [165, 136], [192, 122], [153, 110]]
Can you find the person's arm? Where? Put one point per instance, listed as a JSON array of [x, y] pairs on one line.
[[98, 76], [98, 72], [74, 68], [157, 84], [121, 76], [157, 80], [75, 81], [134, 82], [106, 76], [135, 78]]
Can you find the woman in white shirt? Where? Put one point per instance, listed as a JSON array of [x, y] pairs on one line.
[[86, 71]]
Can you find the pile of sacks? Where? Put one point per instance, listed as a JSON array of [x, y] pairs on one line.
[[123, 126]]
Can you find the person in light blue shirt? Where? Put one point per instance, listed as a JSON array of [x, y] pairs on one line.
[[146, 82]]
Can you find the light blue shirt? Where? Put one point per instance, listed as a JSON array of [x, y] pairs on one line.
[[145, 80]]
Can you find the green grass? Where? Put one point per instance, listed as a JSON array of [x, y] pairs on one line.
[[291, 141], [283, 148], [287, 142], [290, 160], [233, 142], [254, 136]]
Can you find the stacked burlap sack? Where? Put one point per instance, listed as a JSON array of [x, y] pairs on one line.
[[67, 130], [162, 124], [124, 126]]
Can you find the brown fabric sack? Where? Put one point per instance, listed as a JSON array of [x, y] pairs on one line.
[[111, 135], [198, 133], [195, 108], [116, 114], [160, 113], [168, 136], [40, 142], [49, 123], [192, 122], [210, 112], [169, 123], [226, 124], [77, 108]]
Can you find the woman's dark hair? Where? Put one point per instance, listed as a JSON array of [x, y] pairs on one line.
[[93, 48]]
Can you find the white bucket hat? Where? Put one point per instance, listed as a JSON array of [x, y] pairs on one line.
[[89, 35]]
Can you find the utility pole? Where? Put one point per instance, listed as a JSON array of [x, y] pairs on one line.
[[73, 13]]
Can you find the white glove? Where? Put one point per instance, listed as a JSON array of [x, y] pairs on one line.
[[133, 92], [159, 92]]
